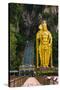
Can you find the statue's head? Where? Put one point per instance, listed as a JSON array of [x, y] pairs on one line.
[[40, 27], [44, 25]]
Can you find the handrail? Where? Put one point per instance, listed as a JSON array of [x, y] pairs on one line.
[[17, 81]]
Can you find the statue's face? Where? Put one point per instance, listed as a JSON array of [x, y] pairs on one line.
[[40, 27], [44, 24]]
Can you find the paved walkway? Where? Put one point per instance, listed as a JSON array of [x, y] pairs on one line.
[[31, 81]]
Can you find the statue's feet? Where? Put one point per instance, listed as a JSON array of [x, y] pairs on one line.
[[43, 67], [46, 67]]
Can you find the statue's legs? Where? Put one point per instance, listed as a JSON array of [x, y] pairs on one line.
[[47, 57], [44, 56], [41, 57]]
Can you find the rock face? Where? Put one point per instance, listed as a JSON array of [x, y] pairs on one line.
[[31, 82]]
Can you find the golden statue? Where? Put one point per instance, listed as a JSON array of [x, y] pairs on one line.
[[44, 46]]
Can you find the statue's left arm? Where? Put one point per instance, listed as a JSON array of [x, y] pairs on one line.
[[50, 44], [50, 39]]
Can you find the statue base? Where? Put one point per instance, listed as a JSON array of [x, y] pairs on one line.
[[47, 71]]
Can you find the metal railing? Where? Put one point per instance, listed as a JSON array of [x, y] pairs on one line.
[[17, 81]]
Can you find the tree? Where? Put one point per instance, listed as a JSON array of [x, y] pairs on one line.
[[13, 41]]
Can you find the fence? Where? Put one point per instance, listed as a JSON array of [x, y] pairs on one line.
[[17, 81]]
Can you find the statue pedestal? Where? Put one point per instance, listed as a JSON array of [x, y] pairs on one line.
[[47, 71]]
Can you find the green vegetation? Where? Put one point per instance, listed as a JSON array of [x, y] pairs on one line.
[[13, 41], [49, 71]]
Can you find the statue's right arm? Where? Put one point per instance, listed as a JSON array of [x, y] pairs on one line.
[[50, 37]]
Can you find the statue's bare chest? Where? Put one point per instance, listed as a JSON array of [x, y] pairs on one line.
[[45, 37]]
